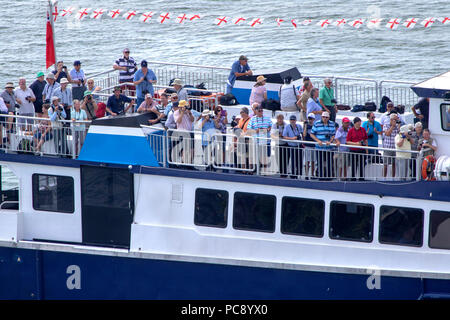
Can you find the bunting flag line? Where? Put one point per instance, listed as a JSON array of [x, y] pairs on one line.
[[183, 18]]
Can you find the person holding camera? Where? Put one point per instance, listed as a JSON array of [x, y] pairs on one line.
[[390, 131], [327, 100], [427, 144], [357, 136], [61, 72], [57, 113], [144, 79], [25, 98], [402, 144], [373, 129], [89, 105], [183, 116], [49, 88], [293, 133], [208, 126], [65, 96], [78, 80], [116, 103]]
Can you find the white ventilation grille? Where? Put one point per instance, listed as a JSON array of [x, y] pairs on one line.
[[177, 193]]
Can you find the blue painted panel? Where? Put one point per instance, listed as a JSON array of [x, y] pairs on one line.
[[242, 95], [117, 149], [105, 277]]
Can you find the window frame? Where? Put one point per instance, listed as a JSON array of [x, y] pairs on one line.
[[401, 244], [429, 229], [34, 195], [355, 203], [444, 114], [302, 234], [260, 194], [227, 208]]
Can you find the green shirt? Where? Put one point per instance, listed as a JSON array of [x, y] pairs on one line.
[[326, 95]]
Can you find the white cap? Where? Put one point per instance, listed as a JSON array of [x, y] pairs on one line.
[[325, 114], [311, 115]]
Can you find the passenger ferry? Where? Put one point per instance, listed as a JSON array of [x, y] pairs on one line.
[[133, 216]]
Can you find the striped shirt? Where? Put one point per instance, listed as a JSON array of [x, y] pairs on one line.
[[261, 123], [126, 75], [323, 132]]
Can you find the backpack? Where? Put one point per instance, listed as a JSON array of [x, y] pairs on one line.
[[343, 107], [383, 104], [358, 108], [370, 106], [271, 104], [228, 100], [24, 146]]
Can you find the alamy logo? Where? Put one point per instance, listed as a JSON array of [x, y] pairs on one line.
[[374, 280], [74, 280]]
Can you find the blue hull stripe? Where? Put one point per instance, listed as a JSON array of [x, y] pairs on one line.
[[110, 277]]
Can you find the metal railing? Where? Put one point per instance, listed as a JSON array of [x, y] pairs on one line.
[[41, 136], [248, 153], [348, 90]]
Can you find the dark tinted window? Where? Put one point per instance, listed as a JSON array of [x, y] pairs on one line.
[[351, 221], [302, 216], [211, 208], [445, 116], [53, 193], [439, 229], [403, 226], [254, 212]]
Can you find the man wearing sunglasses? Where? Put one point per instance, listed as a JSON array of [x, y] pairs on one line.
[[373, 129], [127, 67]]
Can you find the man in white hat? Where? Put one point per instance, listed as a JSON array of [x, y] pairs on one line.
[[49, 88], [181, 92], [56, 113], [65, 96], [207, 125], [9, 97], [323, 132]]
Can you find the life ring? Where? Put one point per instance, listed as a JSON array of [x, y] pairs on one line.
[[428, 167]]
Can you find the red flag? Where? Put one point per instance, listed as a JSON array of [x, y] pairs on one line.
[[50, 45]]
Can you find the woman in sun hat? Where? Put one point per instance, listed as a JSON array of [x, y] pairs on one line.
[[259, 91]]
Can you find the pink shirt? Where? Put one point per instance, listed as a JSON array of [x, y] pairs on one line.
[[257, 94], [185, 123]]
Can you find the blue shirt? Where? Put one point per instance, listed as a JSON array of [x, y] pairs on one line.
[[323, 132], [77, 75], [209, 128], [146, 84], [313, 105], [65, 97], [372, 142], [341, 135], [117, 105], [237, 67], [292, 131]]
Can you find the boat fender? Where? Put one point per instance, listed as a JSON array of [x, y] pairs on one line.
[[428, 168]]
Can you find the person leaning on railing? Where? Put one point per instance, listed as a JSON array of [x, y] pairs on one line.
[[310, 154], [327, 100], [56, 113], [79, 132], [10, 101], [116, 102], [149, 106], [293, 132], [43, 130], [3, 110], [427, 144], [390, 131]]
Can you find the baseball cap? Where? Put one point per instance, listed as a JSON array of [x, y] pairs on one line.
[[126, 50], [311, 115], [77, 63], [40, 74], [345, 119], [243, 58], [50, 76], [325, 114], [148, 95], [87, 93], [293, 117], [143, 63]]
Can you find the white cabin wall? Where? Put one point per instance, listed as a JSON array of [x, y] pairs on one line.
[[165, 227], [442, 137], [44, 224]]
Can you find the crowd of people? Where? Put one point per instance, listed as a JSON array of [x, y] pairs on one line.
[[313, 145]]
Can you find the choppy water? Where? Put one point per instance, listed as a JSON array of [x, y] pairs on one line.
[[381, 54]]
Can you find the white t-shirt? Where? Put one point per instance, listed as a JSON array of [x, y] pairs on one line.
[[26, 106], [3, 107], [288, 97]]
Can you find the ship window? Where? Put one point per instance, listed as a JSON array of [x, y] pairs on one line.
[[211, 208], [351, 221], [53, 193], [254, 212], [401, 226], [439, 229], [445, 116], [303, 217]]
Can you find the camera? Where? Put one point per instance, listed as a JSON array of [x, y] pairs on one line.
[[299, 137], [333, 101], [362, 143], [370, 136], [398, 122], [233, 122], [28, 98], [188, 107]]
